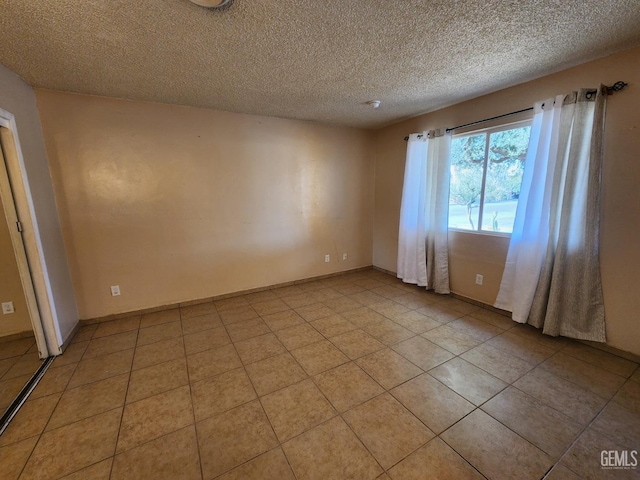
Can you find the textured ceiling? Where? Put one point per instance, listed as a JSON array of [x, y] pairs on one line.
[[307, 59]]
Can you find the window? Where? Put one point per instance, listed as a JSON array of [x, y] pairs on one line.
[[486, 174]]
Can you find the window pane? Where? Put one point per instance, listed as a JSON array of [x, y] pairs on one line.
[[467, 159], [507, 154]]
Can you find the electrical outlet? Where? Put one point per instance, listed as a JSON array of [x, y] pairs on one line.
[[115, 290], [479, 279], [344, 256], [327, 258], [7, 307]]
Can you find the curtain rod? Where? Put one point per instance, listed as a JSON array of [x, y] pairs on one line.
[[616, 87]]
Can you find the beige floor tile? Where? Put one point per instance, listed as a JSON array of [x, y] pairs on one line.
[[298, 336], [280, 320], [26, 365], [15, 348], [247, 329], [155, 416], [494, 450], [319, 357], [600, 359], [413, 300], [388, 291], [473, 327], [159, 378], [466, 379], [171, 457], [234, 437], [230, 303], [440, 313], [296, 409], [347, 386], [388, 430], [451, 339], [388, 368], [198, 310], [13, 458], [601, 382], [348, 289], [422, 352], [269, 466], [30, 419], [619, 422], [6, 364], [212, 362], [200, 323], [434, 461], [560, 472], [160, 317], [260, 297], [498, 363], [333, 325], [549, 430], [357, 343], [389, 308], [237, 314], [523, 348], [459, 305], [88, 400], [584, 458], [73, 447], [287, 291], [431, 401], [416, 322], [326, 294], [366, 297], [566, 397], [97, 471], [629, 396], [55, 380], [636, 376], [117, 326], [159, 352], [274, 373], [330, 451], [205, 340], [73, 354], [98, 368], [341, 304], [223, 392], [157, 333], [493, 318], [84, 333], [111, 344], [10, 388], [532, 333], [270, 306], [314, 311], [388, 332], [259, 348], [300, 299]]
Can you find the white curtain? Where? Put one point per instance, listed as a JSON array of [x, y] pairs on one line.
[[552, 274], [423, 256]]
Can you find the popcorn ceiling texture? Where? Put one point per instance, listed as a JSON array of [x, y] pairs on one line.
[[307, 59]]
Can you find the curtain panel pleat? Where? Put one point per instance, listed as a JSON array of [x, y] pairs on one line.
[[552, 274], [423, 254]]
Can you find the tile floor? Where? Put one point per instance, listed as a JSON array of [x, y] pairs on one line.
[[352, 377], [18, 362]]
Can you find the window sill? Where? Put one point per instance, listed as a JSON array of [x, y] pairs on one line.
[[481, 232]]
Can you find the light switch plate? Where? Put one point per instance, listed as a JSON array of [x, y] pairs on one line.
[[7, 307]]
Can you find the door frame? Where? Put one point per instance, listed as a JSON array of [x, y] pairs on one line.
[[16, 193]]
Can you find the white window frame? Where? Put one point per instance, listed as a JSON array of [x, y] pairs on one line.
[[487, 131]]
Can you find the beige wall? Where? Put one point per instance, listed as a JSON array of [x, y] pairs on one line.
[[177, 203], [18, 98], [10, 284], [473, 253]]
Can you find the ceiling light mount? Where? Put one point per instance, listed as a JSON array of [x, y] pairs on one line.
[[211, 3], [374, 103]]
